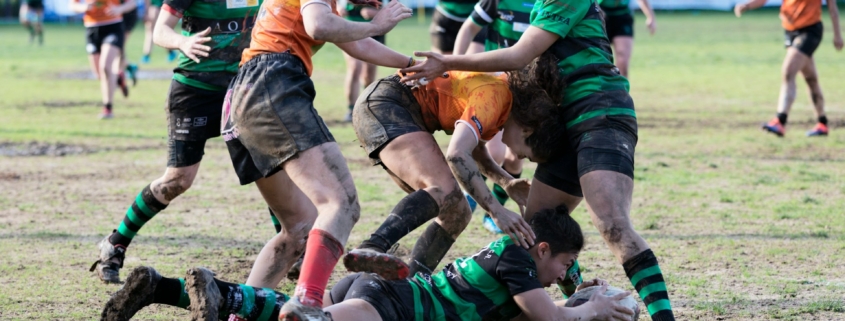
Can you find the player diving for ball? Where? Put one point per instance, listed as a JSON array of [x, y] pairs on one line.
[[503, 281]]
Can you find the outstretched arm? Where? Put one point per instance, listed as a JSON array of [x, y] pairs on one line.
[[833, 9], [750, 5], [468, 31], [536, 305], [322, 24], [371, 51], [649, 15]]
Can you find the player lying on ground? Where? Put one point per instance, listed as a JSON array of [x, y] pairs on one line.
[[502, 281], [394, 124], [598, 126], [802, 24]]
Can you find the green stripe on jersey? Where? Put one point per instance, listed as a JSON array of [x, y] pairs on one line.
[[478, 278], [418, 309], [614, 4], [602, 112], [218, 10], [459, 9]]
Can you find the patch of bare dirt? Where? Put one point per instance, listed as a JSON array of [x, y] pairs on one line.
[[142, 74], [36, 148]]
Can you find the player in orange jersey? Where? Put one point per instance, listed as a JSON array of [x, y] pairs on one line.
[[802, 21], [277, 140], [103, 22]]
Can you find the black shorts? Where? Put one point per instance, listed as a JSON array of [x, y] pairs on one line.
[[619, 25], [481, 36], [130, 19], [193, 116], [394, 300], [387, 109], [806, 39], [443, 31], [380, 39], [35, 4], [269, 115], [600, 143], [109, 34]]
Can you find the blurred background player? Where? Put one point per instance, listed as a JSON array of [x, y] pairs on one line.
[[802, 21], [103, 20], [130, 19], [32, 18], [358, 73], [619, 24], [506, 20], [153, 8], [209, 61], [446, 21]]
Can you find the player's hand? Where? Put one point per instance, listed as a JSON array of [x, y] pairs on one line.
[[837, 42], [430, 68], [591, 283], [518, 190], [608, 307], [515, 226], [738, 9], [390, 15], [652, 25], [193, 47]]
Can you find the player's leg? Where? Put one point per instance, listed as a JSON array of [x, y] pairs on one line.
[[351, 83], [811, 76], [39, 25], [296, 215], [363, 296], [23, 16], [443, 33], [622, 48], [109, 53], [794, 61], [149, 28]]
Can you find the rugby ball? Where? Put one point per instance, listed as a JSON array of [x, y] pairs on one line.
[[584, 295]]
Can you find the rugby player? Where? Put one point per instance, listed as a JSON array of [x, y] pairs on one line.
[[503, 281], [619, 23], [31, 15], [802, 24], [599, 124], [193, 107], [394, 124], [277, 140], [103, 20]]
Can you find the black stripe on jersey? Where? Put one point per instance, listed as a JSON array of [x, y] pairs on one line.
[[572, 46]]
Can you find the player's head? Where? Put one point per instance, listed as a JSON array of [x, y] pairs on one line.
[[559, 240], [533, 129]]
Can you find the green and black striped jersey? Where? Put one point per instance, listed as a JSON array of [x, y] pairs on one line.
[[457, 10], [615, 7], [584, 55], [506, 21], [231, 30], [353, 13]]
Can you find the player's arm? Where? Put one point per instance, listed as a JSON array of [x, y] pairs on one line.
[[371, 51], [536, 305], [322, 24], [750, 5], [166, 36], [648, 11], [833, 9], [532, 43], [369, 13], [468, 31], [459, 156], [483, 14]]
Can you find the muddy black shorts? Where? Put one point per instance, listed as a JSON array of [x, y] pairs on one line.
[[109, 34], [193, 116], [601, 143], [385, 110], [444, 31], [130, 19], [806, 39], [269, 115], [619, 25], [394, 300]]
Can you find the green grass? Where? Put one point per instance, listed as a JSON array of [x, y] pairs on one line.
[[747, 226]]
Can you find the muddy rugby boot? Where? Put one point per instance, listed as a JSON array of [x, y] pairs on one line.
[[385, 265], [204, 294], [294, 310], [137, 293], [110, 262]]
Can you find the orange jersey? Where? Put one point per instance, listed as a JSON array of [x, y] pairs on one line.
[[97, 15], [481, 100], [279, 28], [797, 14]]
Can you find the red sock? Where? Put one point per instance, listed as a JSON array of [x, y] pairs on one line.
[[321, 255]]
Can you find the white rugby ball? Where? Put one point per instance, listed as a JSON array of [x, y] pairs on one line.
[[584, 295]]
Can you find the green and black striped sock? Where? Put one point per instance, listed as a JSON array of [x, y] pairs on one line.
[[275, 221], [172, 292], [250, 303], [145, 207], [645, 275], [499, 192]]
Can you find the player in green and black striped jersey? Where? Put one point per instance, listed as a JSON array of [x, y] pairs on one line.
[[446, 22], [596, 119], [501, 282], [619, 23]]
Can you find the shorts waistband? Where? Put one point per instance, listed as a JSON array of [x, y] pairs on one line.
[[275, 56]]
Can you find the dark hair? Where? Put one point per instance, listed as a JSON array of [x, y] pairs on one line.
[[537, 92], [559, 229]]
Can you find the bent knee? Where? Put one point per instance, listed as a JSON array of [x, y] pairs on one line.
[[614, 230]]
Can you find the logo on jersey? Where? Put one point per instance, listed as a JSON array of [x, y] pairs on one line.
[[477, 124]]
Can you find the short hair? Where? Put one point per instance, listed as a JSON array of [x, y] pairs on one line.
[[557, 228]]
